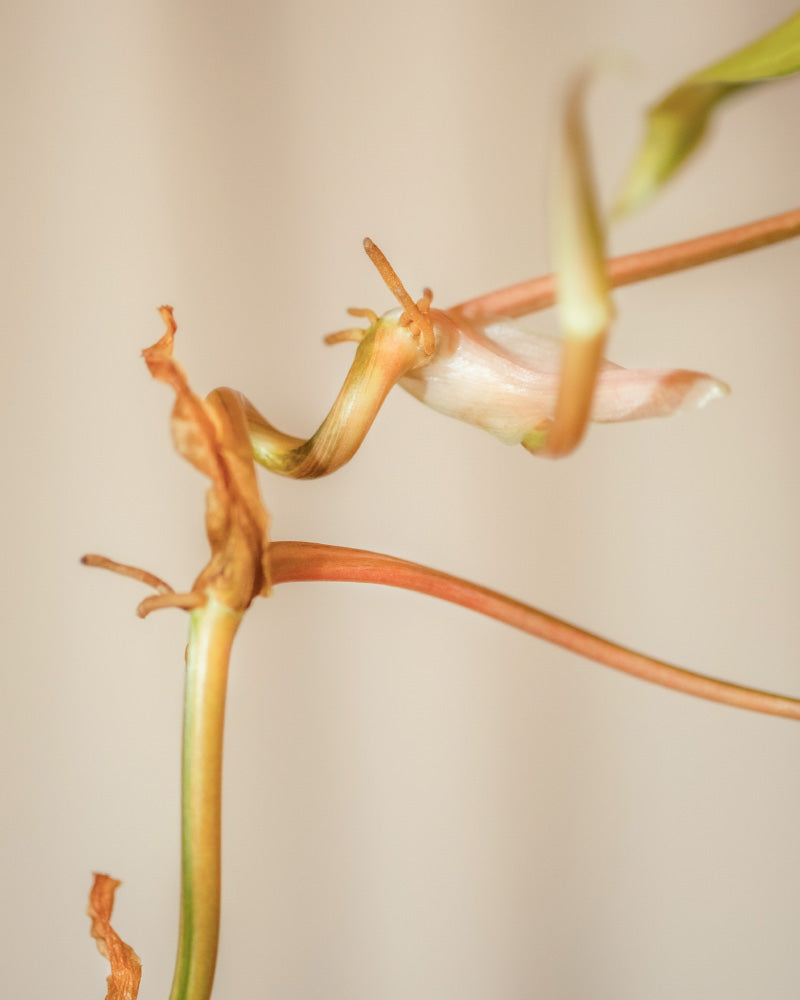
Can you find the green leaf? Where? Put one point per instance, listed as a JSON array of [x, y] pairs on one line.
[[678, 122]]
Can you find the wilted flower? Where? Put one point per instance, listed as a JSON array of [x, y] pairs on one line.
[[502, 378], [506, 380], [522, 387]]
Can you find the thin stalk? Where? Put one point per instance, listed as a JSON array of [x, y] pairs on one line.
[[540, 293], [382, 358], [211, 634], [295, 561]]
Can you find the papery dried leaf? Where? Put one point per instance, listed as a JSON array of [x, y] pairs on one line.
[[212, 434], [679, 121], [126, 968]]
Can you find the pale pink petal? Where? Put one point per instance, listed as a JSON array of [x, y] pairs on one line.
[[633, 395], [505, 380]]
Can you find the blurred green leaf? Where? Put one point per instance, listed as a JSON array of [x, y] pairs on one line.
[[678, 122]]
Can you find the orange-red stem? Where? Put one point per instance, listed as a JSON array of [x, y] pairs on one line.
[[295, 561], [539, 293]]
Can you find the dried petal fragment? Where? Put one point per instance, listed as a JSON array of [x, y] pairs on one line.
[[126, 968], [212, 434]]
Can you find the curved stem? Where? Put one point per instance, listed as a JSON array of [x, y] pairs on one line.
[[540, 293], [383, 357], [211, 634], [294, 561]]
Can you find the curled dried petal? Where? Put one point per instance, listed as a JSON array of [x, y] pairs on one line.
[[212, 434], [126, 968]]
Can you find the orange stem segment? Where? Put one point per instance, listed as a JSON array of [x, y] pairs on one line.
[[540, 293], [294, 561]]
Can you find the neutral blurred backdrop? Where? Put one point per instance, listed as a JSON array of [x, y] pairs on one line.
[[418, 802]]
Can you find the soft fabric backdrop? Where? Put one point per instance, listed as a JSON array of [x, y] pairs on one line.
[[418, 803]]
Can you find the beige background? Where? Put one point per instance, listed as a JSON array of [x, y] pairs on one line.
[[419, 803]]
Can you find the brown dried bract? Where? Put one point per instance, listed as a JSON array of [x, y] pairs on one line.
[[126, 969], [212, 434]]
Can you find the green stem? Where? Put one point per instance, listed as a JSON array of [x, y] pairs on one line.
[[213, 627]]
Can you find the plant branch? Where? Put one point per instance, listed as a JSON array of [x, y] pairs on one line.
[[212, 631], [295, 561], [540, 293]]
